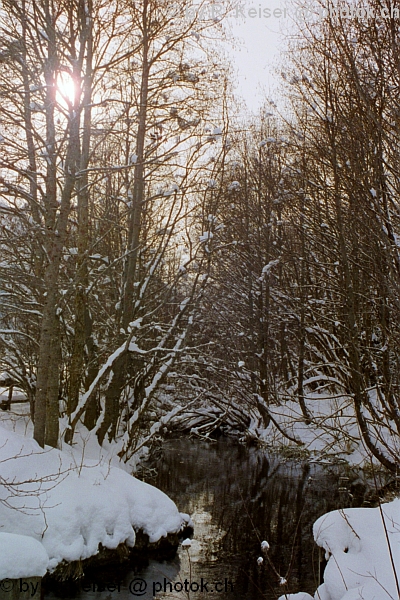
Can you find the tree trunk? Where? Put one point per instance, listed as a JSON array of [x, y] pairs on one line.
[[46, 401], [80, 329], [302, 328], [117, 383]]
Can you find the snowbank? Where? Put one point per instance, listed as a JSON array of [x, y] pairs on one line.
[[72, 506], [18, 395], [363, 547], [333, 434], [21, 556]]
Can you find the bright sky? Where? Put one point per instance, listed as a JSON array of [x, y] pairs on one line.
[[262, 38]]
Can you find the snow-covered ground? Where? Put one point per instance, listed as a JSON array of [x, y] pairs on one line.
[[363, 548], [332, 435], [67, 504], [17, 396], [68, 501]]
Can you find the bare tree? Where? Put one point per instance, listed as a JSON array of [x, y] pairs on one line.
[[112, 127]]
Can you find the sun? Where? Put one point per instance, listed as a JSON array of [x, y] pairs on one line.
[[66, 89]]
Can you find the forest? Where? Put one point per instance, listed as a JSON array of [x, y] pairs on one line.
[[171, 262]]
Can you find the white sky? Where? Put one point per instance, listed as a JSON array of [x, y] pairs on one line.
[[259, 29], [261, 39]]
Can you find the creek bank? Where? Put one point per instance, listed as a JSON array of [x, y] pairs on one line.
[[104, 567], [63, 507], [112, 565]]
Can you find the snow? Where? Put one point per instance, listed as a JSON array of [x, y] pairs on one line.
[[235, 185], [136, 324], [68, 504], [174, 188], [333, 434], [17, 396], [363, 547], [215, 135], [205, 236], [35, 106], [269, 266], [300, 596], [21, 556], [43, 34], [107, 365]]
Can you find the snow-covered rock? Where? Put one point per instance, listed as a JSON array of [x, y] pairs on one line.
[[70, 505]]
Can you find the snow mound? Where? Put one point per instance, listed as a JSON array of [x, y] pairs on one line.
[[299, 596], [363, 550], [73, 506], [21, 556]]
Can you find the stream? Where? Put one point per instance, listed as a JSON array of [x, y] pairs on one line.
[[237, 497]]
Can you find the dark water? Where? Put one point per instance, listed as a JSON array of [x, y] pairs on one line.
[[238, 497]]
